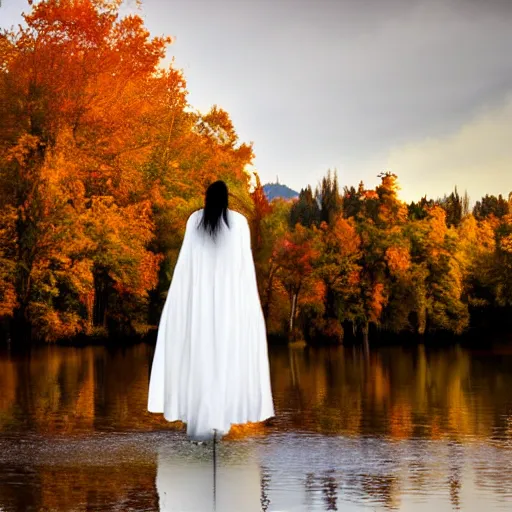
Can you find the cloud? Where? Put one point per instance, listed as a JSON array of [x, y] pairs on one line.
[[477, 157], [341, 85], [318, 84]]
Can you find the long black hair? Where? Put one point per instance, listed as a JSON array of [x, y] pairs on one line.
[[215, 208]]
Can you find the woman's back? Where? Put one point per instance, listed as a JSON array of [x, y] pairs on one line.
[[211, 365]]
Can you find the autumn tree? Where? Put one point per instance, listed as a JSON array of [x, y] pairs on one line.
[[391, 211], [295, 257], [337, 267], [440, 286], [262, 258], [262, 208], [275, 227], [491, 205], [328, 195], [80, 124], [502, 271], [352, 200], [102, 161], [380, 223], [476, 254], [8, 247]]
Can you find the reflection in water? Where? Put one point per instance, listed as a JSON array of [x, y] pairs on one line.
[[398, 393], [395, 429], [456, 462], [64, 390], [84, 477], [264, 486], [186, 482], [330, 488]]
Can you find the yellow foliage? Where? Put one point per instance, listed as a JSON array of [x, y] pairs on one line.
[[398, 259]]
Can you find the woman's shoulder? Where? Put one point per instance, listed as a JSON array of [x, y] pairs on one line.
[[234, 217], [195, 214], [237, 217], [194, 217]]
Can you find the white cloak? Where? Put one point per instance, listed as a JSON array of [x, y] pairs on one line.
[[210, 367]]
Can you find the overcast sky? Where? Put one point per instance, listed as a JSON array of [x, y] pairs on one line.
[[422, 88]]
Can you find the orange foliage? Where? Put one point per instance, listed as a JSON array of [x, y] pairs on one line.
[[398, 259], [377, 301], [103, 164]]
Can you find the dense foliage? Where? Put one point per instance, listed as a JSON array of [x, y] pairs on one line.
[[101, 161], [362, 258]]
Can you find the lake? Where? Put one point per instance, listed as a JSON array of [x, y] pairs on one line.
[[398, 428]]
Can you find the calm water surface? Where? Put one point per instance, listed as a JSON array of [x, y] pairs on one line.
[[408, 429]]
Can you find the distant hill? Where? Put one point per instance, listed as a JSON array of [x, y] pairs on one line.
[[274, 190]]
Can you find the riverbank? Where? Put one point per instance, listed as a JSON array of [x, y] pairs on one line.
[[477, 336]]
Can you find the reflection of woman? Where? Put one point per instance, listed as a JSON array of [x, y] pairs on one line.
[[210, 367], [185, 483]]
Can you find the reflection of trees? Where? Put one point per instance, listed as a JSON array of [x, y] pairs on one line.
[[383, 489], [58, 390], [66, 389], [455, 486], [398, 392], [330, 491], [7, 390], [86, 487], [264, 485], [309, 485], [122, 379], [53, 390], [312, 386], [23, 495], [327, 485], [455, 465], [375, 488]]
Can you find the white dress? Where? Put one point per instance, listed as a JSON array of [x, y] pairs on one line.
[[210, 367]]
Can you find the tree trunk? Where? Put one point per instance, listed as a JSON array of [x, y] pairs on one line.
[[366, 343], [268, 295], [330, 311], [25, 261], [292, 312], [101, 289]]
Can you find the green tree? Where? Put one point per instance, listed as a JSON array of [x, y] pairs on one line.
[[453, 205], [328, 195], [419, 210], [305, 210], [491, 205], [503, 267]]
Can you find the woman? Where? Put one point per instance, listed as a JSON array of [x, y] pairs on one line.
[[210, 368]]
